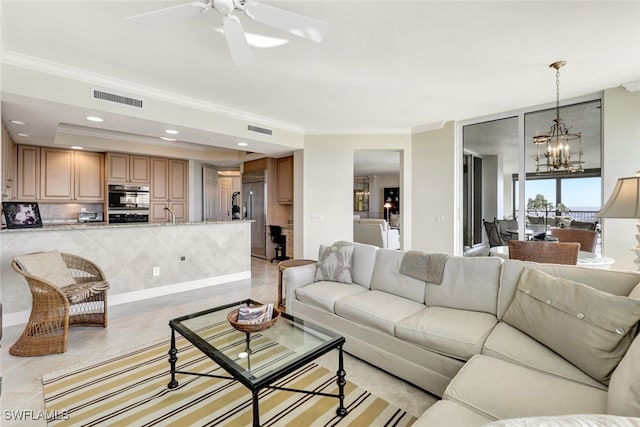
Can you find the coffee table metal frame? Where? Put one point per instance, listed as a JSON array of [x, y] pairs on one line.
[[237, 372]]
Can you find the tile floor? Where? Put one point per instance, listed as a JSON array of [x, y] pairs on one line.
[[136, 323]]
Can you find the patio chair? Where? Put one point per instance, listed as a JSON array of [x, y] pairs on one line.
[[587, 238], [493, 233], [546, 252], [507, 224], [583, 225], [66, 290]]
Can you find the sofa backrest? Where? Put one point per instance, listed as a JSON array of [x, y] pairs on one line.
[[468, 283], [369, 233], [387, 277], [611, 281], [364, 258]]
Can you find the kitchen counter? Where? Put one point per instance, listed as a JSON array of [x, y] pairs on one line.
[[90, 225], [188, 256]]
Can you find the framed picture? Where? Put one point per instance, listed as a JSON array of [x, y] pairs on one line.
[[22, 214]]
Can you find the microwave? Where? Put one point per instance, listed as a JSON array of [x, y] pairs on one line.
[[128, 197]]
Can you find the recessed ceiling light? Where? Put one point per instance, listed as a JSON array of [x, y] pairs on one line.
[[168, 139], [24, 135], [76, 147], [171, 131], [95, 119], [242, 144], [18, 122]]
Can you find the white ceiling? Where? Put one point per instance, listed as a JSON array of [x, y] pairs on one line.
[[385, 66]]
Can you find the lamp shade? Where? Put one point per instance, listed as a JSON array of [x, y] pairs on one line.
[[388, 205], [624, 201]]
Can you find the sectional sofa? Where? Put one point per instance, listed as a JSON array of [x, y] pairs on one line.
[[495, 339], [376, 232]]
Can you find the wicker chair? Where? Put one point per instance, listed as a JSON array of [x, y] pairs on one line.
[[547, 252], [55, 308], [587, 238]]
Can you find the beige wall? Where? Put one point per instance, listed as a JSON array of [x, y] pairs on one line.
[[326, 212], [621, 158], [434, 199]]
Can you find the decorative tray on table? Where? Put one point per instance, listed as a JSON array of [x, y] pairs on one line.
[[254, 318]]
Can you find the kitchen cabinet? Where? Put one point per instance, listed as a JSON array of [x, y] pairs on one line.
[[128, 168], [287, 231], [53, 174], [28, 172], [56, 174], [89, 176], [285, 180], [169, 181], [9, 155]]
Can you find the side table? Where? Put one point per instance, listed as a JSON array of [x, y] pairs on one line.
[[282, 266]]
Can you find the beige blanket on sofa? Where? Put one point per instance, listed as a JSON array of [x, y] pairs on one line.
[[424, 266]]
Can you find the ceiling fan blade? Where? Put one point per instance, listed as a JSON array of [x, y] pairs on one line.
[[294, 23], [177, 11], [236, 40]]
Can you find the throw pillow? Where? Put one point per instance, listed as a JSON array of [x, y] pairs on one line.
[[46, 265], [335, 263], [590, 328]]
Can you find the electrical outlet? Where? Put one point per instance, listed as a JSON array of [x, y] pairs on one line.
[[182, 258], [156, 271]]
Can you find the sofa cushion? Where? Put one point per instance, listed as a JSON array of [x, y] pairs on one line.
[[498, 389], [578, 420], [376, 309], [449, 331], [387, 278], [325, 294], [624, 388], [335, 263], [46, 265], [364, 257], [467, 284], [590, 328], [449, 413], [508, 343]]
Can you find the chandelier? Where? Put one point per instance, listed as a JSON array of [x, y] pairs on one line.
[[553, 149]]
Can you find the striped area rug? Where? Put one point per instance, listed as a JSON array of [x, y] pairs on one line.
[[131, 390]]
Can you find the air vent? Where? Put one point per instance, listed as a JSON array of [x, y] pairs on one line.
[[112, 97], [257, 129]]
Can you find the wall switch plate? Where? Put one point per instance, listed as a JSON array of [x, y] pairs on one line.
[[156, 271]]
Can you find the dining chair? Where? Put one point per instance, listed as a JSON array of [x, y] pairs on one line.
[[587, 238], [493, 233], [545, 252]]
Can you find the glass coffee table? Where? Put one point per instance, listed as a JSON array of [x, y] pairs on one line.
[[242, 355]]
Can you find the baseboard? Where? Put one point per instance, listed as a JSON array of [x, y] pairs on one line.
[[21, 317]]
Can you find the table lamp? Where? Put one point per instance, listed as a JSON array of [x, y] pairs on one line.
[[624, 202]]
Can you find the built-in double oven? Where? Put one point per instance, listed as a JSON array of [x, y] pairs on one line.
[[128, 203]]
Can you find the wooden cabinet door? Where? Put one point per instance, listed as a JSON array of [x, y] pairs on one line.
[[9, 155], [139, 169], [285, 180], [56, 174], [89, 176], [28, 172], [159, 179], [117, 167], [178, 180]]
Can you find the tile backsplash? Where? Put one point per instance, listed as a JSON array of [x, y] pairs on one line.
[[56, 213]]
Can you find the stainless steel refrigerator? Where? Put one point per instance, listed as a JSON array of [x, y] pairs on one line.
[[254, 201]]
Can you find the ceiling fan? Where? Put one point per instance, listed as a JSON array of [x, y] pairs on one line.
[[294, 23]]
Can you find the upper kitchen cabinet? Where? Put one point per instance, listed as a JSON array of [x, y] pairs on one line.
[[9, 155], [56, 174], [89, 176], [285, 180], [125, 168], [52, 174], [169, 189]]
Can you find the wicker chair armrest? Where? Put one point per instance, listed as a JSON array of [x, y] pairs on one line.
[[82, 269]]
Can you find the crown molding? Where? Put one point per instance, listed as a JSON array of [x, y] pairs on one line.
[[382, 131], [428, 127], [104, 81], [632, 86]]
